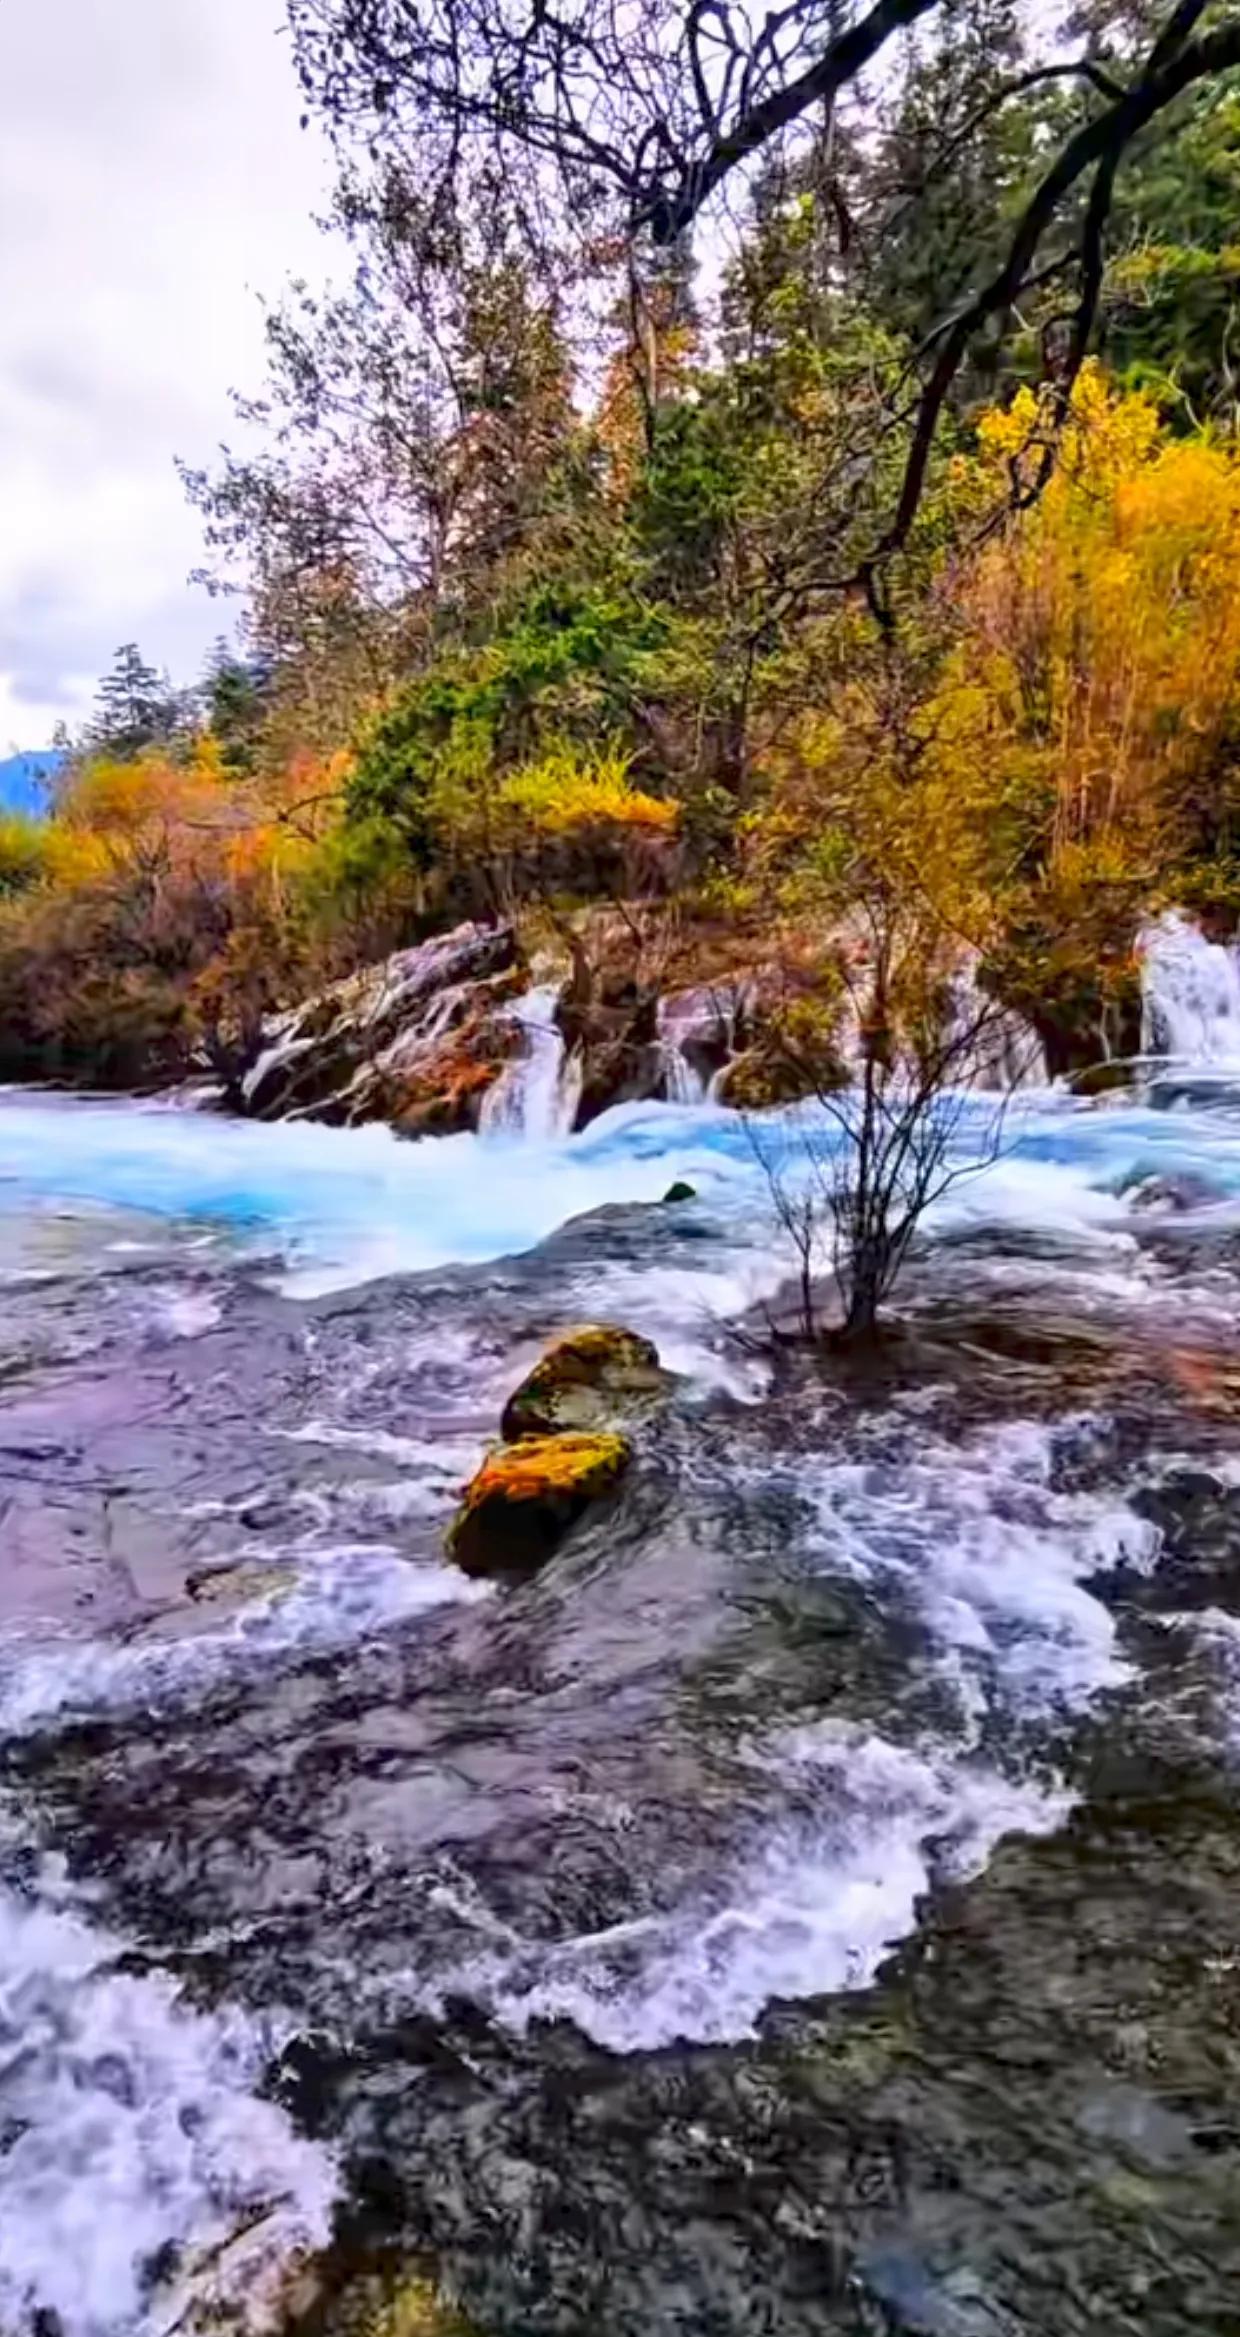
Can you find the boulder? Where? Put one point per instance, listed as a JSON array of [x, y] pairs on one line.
[[586, 1378], [524, 1498], [245, 1582], [680, 1191], [1176, 1195]]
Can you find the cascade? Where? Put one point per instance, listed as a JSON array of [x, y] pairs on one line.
[[1000, 1050], [696, 1037], [325, 1052], [1190, 994], [537, 1095]]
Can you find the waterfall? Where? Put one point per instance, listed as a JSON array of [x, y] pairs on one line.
[[696, 1039], [1190, 994], [682, 1082], [537, 1095], [1000, 1050]]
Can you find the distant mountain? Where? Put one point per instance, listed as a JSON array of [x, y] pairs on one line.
[[25, 780]]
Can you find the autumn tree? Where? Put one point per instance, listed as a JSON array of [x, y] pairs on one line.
[[646, 127], [896, 1059]]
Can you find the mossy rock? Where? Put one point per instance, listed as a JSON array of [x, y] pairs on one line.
[[388, 2305], [526, 1496], [1103, 1079], [584, 1381], [763, 1077]]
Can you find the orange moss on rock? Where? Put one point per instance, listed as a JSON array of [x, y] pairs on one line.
[[525, 1496]]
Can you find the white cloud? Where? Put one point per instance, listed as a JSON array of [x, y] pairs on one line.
[[153, 180]]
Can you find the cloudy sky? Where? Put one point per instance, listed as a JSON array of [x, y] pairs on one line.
[[153, 179]]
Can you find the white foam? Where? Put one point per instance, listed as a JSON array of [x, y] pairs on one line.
[[993, 1562], [993, 1558], [187, 1314], [140, 2174], [339, 1598], [818, 1911]]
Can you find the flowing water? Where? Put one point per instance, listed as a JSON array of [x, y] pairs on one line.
[[812, 1905], [537, 1095]]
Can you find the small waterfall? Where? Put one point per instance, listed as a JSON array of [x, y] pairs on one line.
[[537, 1095], [1000, 1050], [696, 1038], [682, 1084], [1190, 994]]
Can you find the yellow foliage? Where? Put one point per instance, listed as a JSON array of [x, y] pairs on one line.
[[563, 794], [407, 2306], [191, 818], [43, 854], [1100, 659]]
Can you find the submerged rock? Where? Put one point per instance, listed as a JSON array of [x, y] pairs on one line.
[[1176, 1195], [522, 1501], [239, 1585], [583, 1381]]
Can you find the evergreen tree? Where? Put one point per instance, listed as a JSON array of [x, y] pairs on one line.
[[233, 695], [135, 707], [933, 201]]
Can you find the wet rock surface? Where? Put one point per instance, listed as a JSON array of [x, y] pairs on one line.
[[811, 1903], [416, 1040]]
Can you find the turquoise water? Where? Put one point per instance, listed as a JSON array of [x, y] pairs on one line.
[[346, 1205]]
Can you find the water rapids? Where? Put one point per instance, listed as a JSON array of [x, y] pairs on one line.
[[811, 1904]]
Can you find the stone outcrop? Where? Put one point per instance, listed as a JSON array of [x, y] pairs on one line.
[[587, 1379], [523, 1500], [455, 1034], [565, 1446], [416, 1040]]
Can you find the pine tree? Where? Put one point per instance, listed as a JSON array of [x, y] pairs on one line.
[[233, 695], [135, 707]]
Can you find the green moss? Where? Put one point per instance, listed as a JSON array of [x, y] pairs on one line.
[[583, 1380]]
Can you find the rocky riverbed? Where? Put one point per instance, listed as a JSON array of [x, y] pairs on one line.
[[807, 1903]]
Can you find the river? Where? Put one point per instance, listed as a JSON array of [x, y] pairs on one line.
[[812, 1905]]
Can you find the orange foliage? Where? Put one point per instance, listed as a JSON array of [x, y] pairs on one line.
[[162, 915]]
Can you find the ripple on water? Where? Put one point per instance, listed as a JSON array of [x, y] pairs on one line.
[[850, 1825], [336, 1599]]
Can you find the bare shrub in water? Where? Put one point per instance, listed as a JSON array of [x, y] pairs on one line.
[[906, 1060]]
